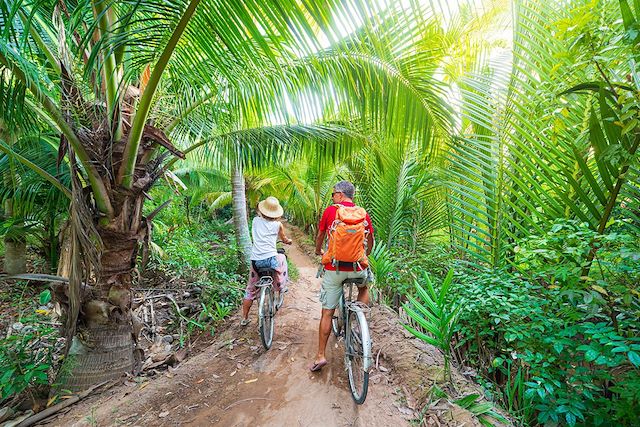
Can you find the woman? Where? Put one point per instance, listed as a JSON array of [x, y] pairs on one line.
[[265, 231]]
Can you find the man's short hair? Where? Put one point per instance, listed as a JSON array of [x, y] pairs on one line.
[[346, 188]]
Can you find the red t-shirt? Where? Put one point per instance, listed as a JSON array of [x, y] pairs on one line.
[[327, 219]]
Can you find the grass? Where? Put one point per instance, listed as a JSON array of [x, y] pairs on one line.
[[294, 273]]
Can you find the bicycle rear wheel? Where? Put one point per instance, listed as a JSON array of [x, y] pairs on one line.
[[266, 319], [358, 355]]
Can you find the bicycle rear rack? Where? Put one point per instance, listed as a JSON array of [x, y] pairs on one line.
[[358, 306], [264, 281]]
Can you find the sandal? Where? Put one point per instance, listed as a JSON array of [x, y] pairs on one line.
[[244, 322], [316, 366]]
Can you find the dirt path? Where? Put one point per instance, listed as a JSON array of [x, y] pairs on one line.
[[235, 382]]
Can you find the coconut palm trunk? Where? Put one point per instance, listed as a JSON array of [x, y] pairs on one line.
[[15, 257], [240, 221], [104, 336]]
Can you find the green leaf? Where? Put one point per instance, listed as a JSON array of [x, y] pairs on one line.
[[634, 358], [7, 375], [481, 408], [591, 86], [467, 401], [422, 336], [558, 346], [627, 15], [45, 296], [620, 349], [629, 126], [42, 376], [591, 355]]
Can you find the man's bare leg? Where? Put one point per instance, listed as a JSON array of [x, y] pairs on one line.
[[323, 334]]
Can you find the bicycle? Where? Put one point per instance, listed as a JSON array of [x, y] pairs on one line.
[[351, 324], [270, 303]]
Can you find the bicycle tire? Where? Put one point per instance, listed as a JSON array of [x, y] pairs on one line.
[[358, 355], [337, 321], [279, 298], [266, 317]]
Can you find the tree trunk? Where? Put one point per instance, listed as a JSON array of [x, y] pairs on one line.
[[102, 348], [240, 220], [64, 257], [98, 353], [15, 257]]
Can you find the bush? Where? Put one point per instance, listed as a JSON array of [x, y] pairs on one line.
[[551, 349], [397, 269], [204, 253], [26, 357]]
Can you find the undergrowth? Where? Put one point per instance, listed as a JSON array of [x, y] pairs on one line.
[[203, 252], [552, 347]]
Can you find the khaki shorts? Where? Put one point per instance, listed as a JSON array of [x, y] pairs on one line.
[[332, 285]]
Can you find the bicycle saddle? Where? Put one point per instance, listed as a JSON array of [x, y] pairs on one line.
[[265, 272], [355, 281]]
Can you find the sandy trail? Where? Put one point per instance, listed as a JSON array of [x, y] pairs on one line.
[[235, 382]]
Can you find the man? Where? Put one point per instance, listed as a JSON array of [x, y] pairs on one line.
[[331, 289]]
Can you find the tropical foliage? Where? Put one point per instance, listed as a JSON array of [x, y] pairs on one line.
[[496, 138], [435, 316]]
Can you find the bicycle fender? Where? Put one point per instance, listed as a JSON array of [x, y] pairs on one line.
[[366, 339]]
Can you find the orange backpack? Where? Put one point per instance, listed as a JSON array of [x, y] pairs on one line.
[[348, 238]]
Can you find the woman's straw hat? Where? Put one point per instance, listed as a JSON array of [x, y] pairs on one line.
[[270, 207]]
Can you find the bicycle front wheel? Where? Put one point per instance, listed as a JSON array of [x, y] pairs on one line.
[[337, 321], [266, 319], [279, 299], [358, 355]]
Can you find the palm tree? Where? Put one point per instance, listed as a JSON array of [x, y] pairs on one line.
[[539, 137], [250, 157], [37, 209], [30, 205]]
